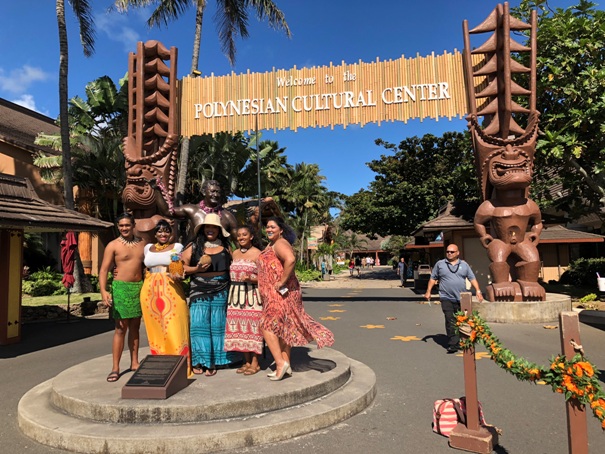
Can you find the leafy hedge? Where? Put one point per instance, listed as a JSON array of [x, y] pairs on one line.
[[583, 272], [47, 282]]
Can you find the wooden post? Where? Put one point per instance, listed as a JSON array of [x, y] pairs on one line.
[[577, 430], [471, 437]]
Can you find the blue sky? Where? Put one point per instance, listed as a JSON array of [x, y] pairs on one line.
[[323, 31]]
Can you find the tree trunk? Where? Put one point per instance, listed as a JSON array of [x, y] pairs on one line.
[[195, 59], [68, 190]]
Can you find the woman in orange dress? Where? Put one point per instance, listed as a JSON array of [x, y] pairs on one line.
[[284, 322], [162, 297]]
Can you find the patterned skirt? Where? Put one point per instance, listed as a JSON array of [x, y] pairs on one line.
[[244, 312], [208, 314]]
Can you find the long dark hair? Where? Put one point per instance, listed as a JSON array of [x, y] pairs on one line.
[[200, 239], [256, 241], [287, 231]]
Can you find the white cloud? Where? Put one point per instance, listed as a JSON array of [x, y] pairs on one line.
[[28, 102], [114, 25], [18, 80]]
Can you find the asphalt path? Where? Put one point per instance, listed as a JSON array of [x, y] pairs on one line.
[[391, 330]]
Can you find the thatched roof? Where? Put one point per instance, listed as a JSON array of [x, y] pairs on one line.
[[20, 207]]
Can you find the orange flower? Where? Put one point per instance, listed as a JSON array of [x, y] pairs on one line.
[[560, 390], [599, 413], [534, 372], [473, 336], [601, 402], [603, 425], [578, 370], [587, 367], [509, 364], [462, 318]]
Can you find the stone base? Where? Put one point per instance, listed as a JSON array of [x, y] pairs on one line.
[[481, 440], [79, 411], [524, 311]]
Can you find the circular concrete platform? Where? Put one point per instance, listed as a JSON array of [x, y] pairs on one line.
[[524, 311], [80, 411]]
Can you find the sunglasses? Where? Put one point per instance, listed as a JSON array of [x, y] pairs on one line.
[[450, 252]]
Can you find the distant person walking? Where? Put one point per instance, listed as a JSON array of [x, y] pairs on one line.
[[351, 266], [451, 273], [402, 270], [124, 258], [358, 266]]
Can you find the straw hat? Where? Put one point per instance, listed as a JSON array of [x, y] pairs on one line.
[[212, 219]]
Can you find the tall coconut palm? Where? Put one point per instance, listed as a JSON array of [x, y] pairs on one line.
[[232, 21], [83, 12]]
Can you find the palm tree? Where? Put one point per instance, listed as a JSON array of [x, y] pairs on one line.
[[96, 127], [356, 242], [83, 12], [221, 157], [232, 21], [275, 172], [307, 196]]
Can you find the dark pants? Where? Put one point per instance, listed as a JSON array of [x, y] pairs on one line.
[[449, 308]]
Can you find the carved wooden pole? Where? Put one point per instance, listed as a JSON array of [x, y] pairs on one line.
[[577, 430], [471, 437]]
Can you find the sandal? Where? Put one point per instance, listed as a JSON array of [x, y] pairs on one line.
[[252, 370], [197, 370], [242, 370], [114, 375], [210, 372]]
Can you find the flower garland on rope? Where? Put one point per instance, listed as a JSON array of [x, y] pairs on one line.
[[575, 378]]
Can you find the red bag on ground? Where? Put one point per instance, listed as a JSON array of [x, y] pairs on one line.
[[449, 412]]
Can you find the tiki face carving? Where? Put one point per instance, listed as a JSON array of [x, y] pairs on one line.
[[504, 163], [510, 168]]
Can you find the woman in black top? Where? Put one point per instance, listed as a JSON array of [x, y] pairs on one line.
[[207, 260]]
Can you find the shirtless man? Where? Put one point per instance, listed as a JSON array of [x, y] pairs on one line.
[[124, 257]]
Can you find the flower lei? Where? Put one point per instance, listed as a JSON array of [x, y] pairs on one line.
[[165, 194], [575, 378], [206, 209]]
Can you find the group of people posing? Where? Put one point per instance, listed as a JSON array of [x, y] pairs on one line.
[[239, 297]]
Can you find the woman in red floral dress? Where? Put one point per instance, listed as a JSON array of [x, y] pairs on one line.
[[284, 323]]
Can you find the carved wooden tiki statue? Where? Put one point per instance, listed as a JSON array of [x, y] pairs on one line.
[[150, 148], [503, 92]]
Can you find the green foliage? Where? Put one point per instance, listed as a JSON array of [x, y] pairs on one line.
[[413, 180], [588, 298], [96, 128], [583, 272], [308, 275], [44, 282], [571, 99], [35, 257]]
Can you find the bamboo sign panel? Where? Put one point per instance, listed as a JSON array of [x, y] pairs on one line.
[[325, 96]]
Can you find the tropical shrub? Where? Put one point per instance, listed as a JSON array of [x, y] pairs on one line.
[[583, 272]]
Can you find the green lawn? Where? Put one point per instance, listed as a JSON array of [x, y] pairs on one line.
[[76, 298]]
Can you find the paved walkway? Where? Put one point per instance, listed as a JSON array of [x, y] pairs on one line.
[[376, 323], [376, 277]]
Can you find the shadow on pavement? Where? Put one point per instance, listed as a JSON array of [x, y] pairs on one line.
[[440, 339], [40, 336]]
